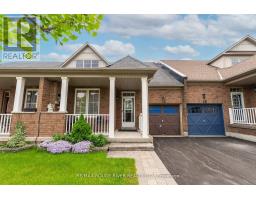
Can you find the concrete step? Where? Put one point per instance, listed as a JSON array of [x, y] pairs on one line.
[[131, 147], [130, 140]]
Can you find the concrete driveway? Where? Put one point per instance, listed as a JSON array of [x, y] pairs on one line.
[[208, 160]]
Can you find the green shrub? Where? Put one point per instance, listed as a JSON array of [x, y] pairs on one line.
[[98, 140], [18, 139], [57, 137], [81, 131]]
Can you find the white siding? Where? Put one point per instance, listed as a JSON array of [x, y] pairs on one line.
[[86, 54], [225, 61], [245, 45]]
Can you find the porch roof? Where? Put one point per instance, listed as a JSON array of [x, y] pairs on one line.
[[40, 71]]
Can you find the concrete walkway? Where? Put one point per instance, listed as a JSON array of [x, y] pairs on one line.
[[150, 169]]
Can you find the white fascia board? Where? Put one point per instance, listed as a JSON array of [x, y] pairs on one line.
[[174, 70]]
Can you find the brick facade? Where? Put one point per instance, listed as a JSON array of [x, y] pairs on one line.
[[46, 124]]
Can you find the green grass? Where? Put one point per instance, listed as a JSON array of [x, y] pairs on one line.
[[37, 167]]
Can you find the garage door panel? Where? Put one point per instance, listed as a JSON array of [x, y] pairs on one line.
[[164, 120], [205, 119]]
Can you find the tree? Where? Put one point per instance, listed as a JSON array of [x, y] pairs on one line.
[[61, 27]]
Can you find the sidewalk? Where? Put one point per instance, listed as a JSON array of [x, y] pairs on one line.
[[150, 169]]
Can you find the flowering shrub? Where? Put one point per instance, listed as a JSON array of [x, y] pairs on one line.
[[59, 147], [81, 147], [18, 139]]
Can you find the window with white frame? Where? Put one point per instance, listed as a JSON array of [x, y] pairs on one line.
[[31, 99], [237, 97], [87, 101], [235, 60], [87, 63]]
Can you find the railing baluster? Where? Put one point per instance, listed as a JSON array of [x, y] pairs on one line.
[[98, 122], [5, 123], [242, 116]]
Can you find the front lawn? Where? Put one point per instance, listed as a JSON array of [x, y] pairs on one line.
[[36, 167]]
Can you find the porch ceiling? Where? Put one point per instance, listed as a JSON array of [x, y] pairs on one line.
[[128, 83], [89, 82], [10, 82]]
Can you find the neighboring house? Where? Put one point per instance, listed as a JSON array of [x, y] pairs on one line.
[[169, 97]]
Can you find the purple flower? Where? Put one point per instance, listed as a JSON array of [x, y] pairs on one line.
[[59, 147], [81, 147]]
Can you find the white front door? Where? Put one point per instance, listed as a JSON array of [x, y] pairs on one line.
[[128, 109]]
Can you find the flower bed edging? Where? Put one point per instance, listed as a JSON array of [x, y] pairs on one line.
[[17, 149]]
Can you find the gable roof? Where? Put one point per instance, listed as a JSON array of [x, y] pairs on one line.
[[129, 62], [80, 50], [248, 37], [163, 77], [238, 69], [195, 70]]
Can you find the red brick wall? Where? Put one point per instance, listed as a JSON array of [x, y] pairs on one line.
[[51, 123], [165, 96], [30, 121], [40, 124]]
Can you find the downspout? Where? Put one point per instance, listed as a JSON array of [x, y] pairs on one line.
[[38, 126]]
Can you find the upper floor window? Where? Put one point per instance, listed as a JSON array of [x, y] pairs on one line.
[[235, 60], [87, 63]]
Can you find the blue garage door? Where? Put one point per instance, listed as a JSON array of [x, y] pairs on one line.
[[205, 119]]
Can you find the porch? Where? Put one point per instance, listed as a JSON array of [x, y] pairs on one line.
[[242, 113], [49, 105]]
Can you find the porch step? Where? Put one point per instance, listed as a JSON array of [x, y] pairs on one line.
[[130, 140], [128, 129], [131, 147]]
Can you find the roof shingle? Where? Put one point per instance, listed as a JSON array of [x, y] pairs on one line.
[[195, 70]]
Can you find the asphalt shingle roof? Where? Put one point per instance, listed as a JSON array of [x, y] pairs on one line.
[[195, 70], [129, 62], [32, 65], [163, 78]]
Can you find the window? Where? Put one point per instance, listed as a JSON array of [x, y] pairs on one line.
[[170, 110], [154, 110], [87, 101], [235, 60], [87, 63], [95, 63], [237, 98], [31, 99], [79, 64], [195, 109]]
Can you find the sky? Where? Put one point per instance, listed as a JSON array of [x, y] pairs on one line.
[[157, 37]]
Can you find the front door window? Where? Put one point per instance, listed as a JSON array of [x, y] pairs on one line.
[[237, 100], [128, 116]]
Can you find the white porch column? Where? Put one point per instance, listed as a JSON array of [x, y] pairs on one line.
[[19, 93], [64, 94], [112, 102], [144, 98]]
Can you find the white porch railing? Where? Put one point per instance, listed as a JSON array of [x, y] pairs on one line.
[[140, 122], [98, 122], [242, 116], [5, 123]]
